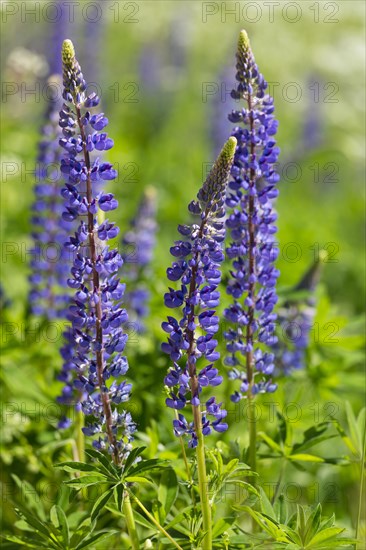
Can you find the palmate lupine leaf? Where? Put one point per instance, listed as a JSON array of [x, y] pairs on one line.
[[282, 445], [115, 480], [56, 533], [233, 473], [31, 496], [59, 521], [168, 490], [108, 471], [305, 530]]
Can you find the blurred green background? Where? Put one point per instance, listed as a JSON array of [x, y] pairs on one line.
[[165, 70]]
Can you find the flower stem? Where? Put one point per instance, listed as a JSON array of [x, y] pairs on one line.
[[278, 486], [252, 452], [251, 293], [100, 362], [197, 416], [79, 436], [130, 522], [362, 477], [154, 521], [188, 469], [203, 489]]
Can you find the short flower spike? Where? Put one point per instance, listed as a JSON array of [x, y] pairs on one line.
[[191, 344]]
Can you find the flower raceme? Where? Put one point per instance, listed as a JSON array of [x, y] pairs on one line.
[[251, 223], [295, 320], [138, 246], [191, 334], [49, 265], [96, 363]]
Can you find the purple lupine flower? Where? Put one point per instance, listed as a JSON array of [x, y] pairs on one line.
[[150, 68], [178, 41], [60, 28], [138, 246], [49, 258], [191, 341], [251, 222], [5, 302], [313, 129], [220, 127], [97, 340], [295, 320], [92, 34]]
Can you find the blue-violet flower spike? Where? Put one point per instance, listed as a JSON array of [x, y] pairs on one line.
[[191, 341], [96, 315], [295, 320], [49, 259], [251, 222], [138, 247]]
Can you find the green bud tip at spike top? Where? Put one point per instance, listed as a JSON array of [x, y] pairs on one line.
[[150, 192], [323, 256], [226, 156], [228, 150], [219, 174], [68, 52], [244, 40]]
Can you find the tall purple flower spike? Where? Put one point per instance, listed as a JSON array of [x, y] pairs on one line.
[[97, 339], [191, 341], [251, 222], [58, 31], [49, 258], [137, 251], [295, 320], [220, 126]]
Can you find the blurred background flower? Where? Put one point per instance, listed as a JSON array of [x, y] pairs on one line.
[[162, 116]]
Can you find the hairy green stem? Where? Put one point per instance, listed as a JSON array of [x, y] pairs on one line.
[[154, 521], [188, 469], [95, 279], [203, 489], [252, 452], [130, 522], [278, 485], [79, 436], [362, 477], [251, 292], [196, 409]]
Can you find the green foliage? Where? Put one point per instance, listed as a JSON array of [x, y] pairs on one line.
[[322, 448], [284, 448], [354, 435], [115, 480], [56, 531], [304, 530]]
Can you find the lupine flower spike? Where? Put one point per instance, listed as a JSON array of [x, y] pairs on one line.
[[251, 222], [58, 30], [220, 126], [191, 338], [295, 319], [47, 296], [137, 251], [252, 250], [97, 338]]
